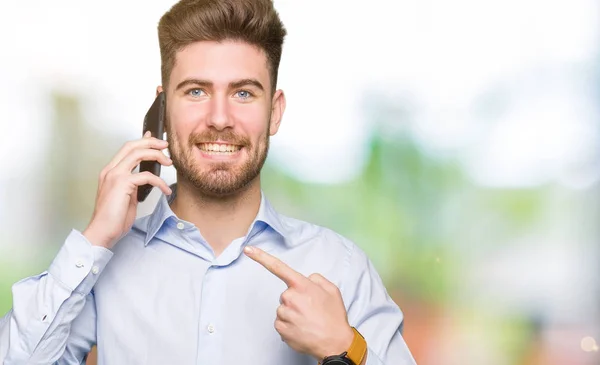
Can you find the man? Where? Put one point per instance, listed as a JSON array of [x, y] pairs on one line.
[[214, 275]]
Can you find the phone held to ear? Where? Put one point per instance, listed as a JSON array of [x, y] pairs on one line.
[[154, 121]]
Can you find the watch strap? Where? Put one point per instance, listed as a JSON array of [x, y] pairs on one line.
[[358, 348]]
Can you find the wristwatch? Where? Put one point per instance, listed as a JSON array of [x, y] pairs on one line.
[[355, 354]]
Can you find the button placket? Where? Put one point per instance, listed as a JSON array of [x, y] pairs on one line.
[[211, 307]]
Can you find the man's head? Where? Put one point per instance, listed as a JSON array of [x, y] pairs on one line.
[[219, 71]]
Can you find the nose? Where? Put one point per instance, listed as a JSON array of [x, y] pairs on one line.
[[219, 116]]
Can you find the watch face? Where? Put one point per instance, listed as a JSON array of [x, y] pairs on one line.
[[338, 360]]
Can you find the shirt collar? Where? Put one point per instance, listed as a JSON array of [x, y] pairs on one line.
[[162, 212]]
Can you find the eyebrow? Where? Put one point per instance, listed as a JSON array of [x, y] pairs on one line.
[[246, 82], [197, 82], [232, 85]]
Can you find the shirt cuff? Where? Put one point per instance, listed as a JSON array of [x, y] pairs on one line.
[[78, 264]]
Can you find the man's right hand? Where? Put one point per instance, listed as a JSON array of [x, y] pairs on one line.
[[116, 200]]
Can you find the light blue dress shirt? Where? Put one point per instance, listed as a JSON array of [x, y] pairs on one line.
[[162, 297]]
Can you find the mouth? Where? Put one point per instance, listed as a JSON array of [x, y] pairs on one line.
[[219, 149]]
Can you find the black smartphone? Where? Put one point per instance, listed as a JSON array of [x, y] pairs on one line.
[[154, 121]]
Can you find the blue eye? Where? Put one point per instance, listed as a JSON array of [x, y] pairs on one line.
[[243, 94], [195, 92]]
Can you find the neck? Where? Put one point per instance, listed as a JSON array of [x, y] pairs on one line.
[[220, 219]]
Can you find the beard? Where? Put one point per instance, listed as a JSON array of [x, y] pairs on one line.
[[218, 179]]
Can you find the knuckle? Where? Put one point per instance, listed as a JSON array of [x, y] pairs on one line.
[[280, 311], [335, 289], [279, 326], [315, 276], [286, 297], [110, 175]]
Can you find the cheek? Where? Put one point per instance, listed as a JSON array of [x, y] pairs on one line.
[[184, 119], [252, 120]]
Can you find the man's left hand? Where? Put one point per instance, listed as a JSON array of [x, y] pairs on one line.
[[311, 318]]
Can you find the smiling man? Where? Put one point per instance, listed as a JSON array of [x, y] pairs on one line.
[[214, 275]]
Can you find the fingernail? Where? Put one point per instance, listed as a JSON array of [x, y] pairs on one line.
[[147, 134], [248, 249]]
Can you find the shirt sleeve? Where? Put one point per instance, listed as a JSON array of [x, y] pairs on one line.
[[373, 312], [53, 313]]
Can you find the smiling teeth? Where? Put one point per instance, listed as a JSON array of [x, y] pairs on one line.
[[214, 148]]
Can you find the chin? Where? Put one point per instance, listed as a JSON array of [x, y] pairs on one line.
[[221, 183]]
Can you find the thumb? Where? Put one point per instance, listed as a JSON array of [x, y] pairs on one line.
[[325, 284], [318, 279]]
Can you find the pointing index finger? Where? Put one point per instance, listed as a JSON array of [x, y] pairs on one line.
[[277, 267]]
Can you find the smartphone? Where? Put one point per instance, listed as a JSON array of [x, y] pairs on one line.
[[154, 121]]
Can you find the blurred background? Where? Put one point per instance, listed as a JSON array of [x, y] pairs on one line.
[[456, 142]]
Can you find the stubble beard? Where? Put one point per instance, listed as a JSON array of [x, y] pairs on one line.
[[219, 179]]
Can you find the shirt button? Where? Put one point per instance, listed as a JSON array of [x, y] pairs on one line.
[[180, 225], [210, 328], [95, 270], [79, 263]]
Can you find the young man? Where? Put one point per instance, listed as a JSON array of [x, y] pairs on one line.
[[214, 275]]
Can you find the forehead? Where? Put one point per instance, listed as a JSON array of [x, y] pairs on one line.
[[220, 63]]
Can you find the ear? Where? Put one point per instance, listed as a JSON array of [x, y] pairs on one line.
[[277, 109], [159, 89]]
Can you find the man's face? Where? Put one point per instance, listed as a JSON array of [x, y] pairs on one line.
[[220, 115]]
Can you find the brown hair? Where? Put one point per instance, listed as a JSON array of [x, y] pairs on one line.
[[255, 22]]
